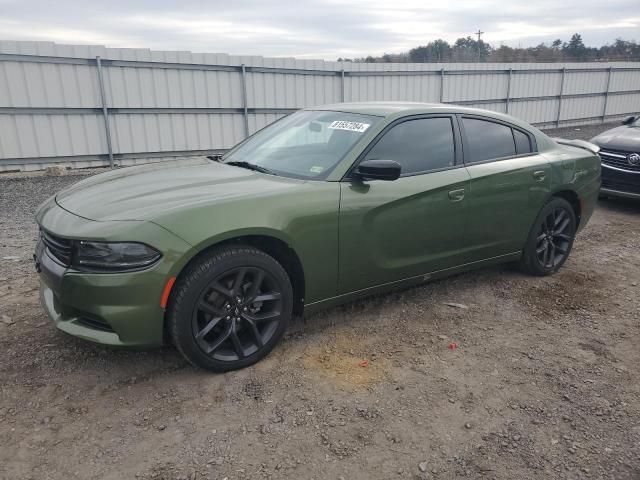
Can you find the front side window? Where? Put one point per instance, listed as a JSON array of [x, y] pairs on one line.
[[487, 140], [417, 145], [306, 144]]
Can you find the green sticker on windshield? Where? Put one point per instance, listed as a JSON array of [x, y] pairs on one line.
[[316, 169]]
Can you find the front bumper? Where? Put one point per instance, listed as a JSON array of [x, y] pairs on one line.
[[617, 193], [620, 183], [119, 309]]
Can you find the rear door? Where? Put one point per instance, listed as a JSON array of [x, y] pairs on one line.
[[509, 183], [392, 230]]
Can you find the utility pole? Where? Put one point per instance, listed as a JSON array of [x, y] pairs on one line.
[[479, 33]]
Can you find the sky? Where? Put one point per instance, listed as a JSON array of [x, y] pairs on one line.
[[325, 29]]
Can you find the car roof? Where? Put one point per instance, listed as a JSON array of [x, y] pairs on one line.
[[402, 109], [381, 109], [394, 110]]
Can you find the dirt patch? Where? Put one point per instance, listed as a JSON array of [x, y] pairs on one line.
[[345, 362], [567, 291]]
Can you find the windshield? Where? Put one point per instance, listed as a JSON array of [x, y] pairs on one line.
[[306, 144]]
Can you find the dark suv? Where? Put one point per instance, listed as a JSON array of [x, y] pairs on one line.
[[620, 154]]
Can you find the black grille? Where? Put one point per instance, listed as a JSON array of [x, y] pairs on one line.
[[60, 248], [620, 186], [618, 159], [95, 324]]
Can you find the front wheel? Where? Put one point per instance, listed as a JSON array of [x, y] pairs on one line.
[[230, 308], [550, 239]]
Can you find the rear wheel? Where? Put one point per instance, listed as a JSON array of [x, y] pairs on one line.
[[550, 239], [230, 308]]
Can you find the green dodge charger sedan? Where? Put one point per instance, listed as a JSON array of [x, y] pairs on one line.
[[328, 204]]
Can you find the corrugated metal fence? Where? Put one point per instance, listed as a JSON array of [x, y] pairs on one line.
[[89, 105]]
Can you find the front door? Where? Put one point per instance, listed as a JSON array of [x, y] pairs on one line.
[[393, 230]]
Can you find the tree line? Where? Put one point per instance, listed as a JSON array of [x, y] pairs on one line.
[[470, 50]]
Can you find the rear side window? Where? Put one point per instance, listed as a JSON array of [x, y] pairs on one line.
[[523, 143], [417, 145], [487, 140]]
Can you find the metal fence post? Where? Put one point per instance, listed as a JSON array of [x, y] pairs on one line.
[[342, 85], [606, 96], [508, 92], [244, 100], [105, 111], [442, 85], [560, 97]]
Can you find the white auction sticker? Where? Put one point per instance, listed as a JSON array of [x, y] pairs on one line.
[[350, 126]]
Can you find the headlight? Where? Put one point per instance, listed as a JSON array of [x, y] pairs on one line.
[[114, 256]]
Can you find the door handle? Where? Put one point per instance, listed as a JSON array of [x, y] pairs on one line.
[[456, 195], [539, 175]]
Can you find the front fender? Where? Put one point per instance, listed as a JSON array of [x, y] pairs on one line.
[[225, 236], [306, 219]]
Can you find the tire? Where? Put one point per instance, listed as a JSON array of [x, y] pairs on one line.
[[229, 308], [550, 239]]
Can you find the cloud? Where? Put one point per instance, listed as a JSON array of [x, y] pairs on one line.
[[313, 28]]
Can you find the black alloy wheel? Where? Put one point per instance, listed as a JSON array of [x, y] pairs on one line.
[[554, 238], [237, 313], [229, 308], [550, 239]]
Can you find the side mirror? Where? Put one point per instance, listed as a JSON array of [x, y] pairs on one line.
[[629, 120], [378, 170]]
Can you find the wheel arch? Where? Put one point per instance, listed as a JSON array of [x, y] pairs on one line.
[[272, 243], [574, 200]]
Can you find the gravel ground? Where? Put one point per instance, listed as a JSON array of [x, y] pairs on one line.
[[583, 132], [544, 382]]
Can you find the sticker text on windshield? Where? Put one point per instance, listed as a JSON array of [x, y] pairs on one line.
[[350, 126]]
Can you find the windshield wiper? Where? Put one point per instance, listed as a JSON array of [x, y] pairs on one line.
[[250, 166]]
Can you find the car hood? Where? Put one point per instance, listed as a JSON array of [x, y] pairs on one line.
[[621, 138], [147, 191]]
